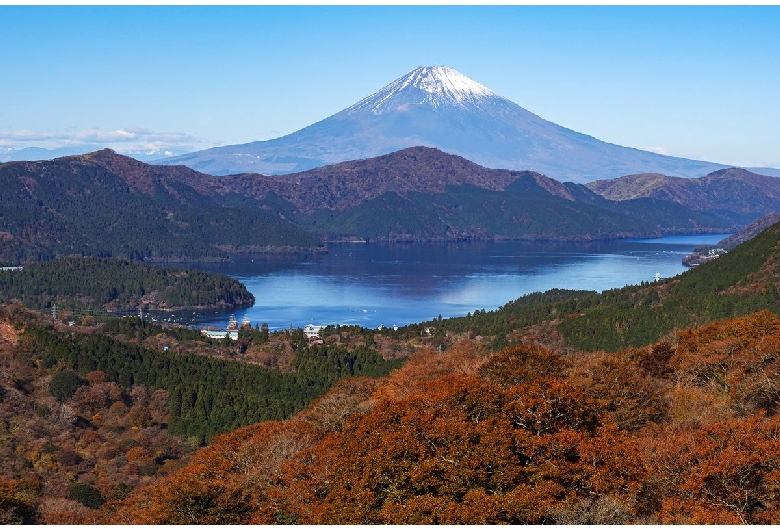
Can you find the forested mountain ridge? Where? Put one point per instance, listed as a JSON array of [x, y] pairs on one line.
[[430, 186], [709, 252], [417, 169], [738, 194], [103, 204], [422, 193], [750, 231], [744, 280]]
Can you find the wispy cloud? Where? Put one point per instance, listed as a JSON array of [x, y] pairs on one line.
[[133, 139], [659, 150]]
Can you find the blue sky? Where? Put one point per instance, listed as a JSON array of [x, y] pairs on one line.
[[700, 82]]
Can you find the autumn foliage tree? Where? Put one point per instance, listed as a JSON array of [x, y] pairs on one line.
[[684, 431], [725, 473], [464, 451]]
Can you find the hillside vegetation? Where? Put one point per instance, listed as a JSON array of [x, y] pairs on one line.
[[117, 284], [107, 205], [564, 407], [207, 396], [88, 414], [468, 212], [682, 432], [742, 281]]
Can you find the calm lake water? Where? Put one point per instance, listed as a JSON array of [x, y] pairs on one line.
[[397, 284]]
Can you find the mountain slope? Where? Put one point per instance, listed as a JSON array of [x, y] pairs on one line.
[[348, 184], [750, 231], [743, 281], [422, 194], [467, 212], [90, 413], [736, 193], [440, 107], [707, 253], [104, 204]]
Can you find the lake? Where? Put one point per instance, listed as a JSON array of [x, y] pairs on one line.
[[396, 284]]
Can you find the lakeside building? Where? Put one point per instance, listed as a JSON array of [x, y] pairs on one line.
[[220, 334], [231, 331], [311, 331]]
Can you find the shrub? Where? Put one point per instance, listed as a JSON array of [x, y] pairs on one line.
[[64, 384], [87, 495]]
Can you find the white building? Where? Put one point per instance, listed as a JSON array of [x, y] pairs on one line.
[[220, 334], [310, 330]]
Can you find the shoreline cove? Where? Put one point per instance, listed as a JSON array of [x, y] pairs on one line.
[[387, 284]]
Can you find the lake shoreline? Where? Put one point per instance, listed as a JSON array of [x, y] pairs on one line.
[[373, 284]]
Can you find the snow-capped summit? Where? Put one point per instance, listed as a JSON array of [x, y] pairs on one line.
[[432, 85], [436, 106]]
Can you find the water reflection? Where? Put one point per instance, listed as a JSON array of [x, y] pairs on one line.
[[373, 284]]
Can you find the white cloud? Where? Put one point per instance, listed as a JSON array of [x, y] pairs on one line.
[[123, 140], [659, 150]]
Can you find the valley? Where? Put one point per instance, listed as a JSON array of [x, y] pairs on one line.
[[108, 419], [621, 407]]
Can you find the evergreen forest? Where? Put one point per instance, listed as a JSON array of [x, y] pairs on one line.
[[105, 205], [119, 285], [208, 396], [736, 284]]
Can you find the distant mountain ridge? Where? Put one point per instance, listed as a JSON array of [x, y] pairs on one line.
[[31, 154], [747, 195], [105, 204], [347, 184], [440, 107], [319, 195]]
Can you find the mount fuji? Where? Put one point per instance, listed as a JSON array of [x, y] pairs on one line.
[[442, 108]]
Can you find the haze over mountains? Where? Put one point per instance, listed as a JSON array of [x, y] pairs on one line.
[[30, 154], [429, 106], [440, 107]]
